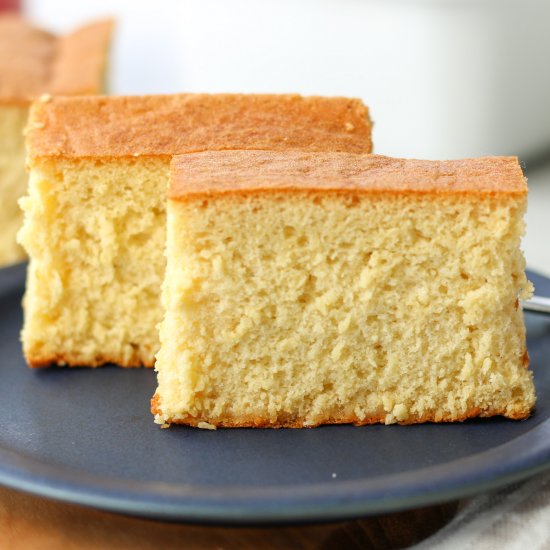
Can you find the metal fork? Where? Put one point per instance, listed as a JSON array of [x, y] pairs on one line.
[[538, 304]]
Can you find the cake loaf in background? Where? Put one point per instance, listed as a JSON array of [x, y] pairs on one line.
[[95, 213], [34, 62], [319, 288]]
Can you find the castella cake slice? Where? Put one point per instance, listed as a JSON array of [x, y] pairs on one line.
[[312, 288], [95, 215], [34, 62]]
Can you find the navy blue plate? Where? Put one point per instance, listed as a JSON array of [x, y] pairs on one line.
[[87, 436]]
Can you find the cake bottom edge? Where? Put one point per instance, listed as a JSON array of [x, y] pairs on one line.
[[72, 361], [519, 412]]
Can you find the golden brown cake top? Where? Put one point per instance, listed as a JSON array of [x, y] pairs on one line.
[[247, 172], [114, 127], [34, 62]]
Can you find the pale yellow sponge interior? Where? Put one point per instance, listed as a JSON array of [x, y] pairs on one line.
[[301, 308], [13, 180], [95, 232]]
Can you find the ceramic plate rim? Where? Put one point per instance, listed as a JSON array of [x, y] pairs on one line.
[[509, 462]]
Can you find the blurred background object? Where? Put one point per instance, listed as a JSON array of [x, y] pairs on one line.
[[32, 63], [443, 78], [10, 5]]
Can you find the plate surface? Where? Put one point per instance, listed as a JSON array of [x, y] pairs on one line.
[[86, 436]]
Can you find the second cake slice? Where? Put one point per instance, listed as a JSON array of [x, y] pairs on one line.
[[95, 214]]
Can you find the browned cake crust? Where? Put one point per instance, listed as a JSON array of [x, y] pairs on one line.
[[34, 62], [118, 127], [69, 360], [518, 413], [242, 172]]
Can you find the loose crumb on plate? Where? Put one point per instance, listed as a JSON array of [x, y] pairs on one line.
[[206, 426]]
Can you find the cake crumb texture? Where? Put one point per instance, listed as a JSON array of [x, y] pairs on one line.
[[312, 307], [95, 233]]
